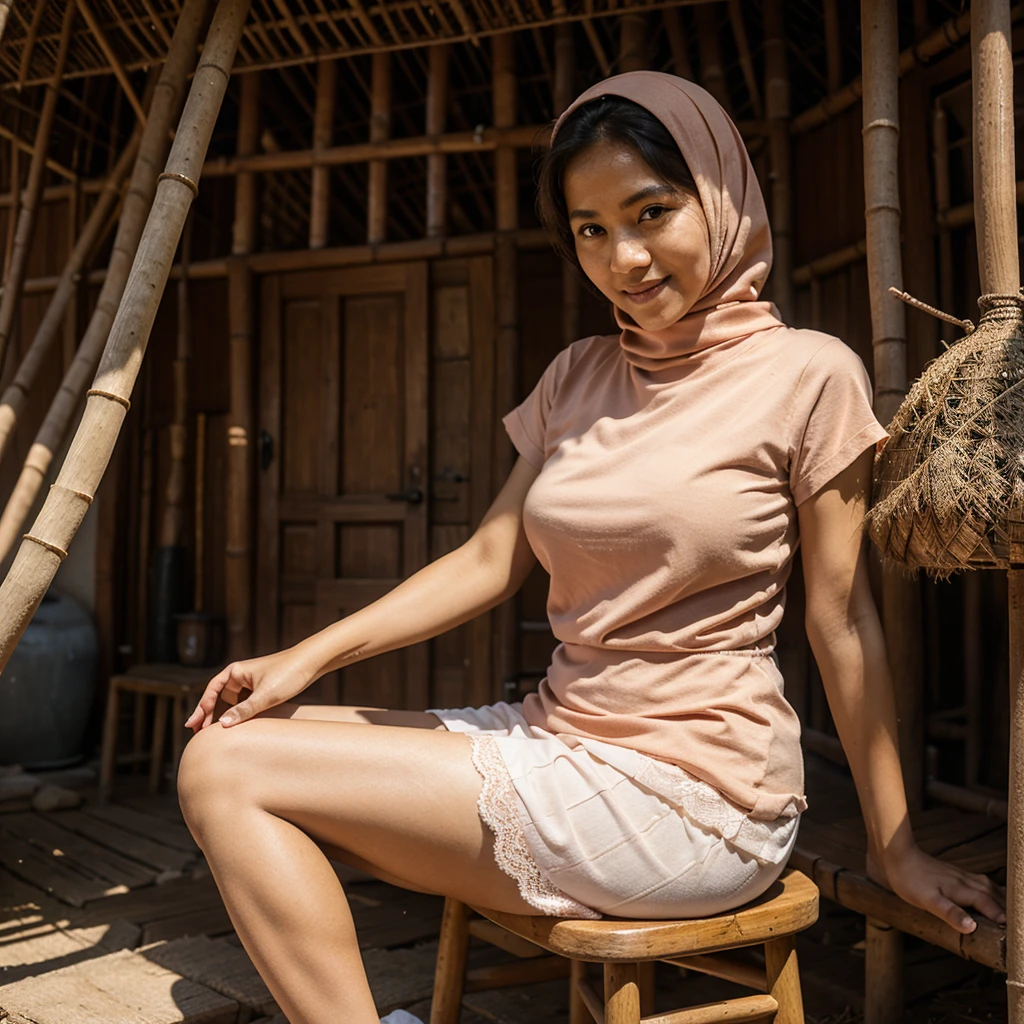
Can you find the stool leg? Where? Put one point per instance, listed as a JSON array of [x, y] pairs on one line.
[[177, 731], [138, 731], [450, 973], [622, 994], [156, 760], [883, 974], [578, 1012], [109, 750], [784, 980], [647, 981]]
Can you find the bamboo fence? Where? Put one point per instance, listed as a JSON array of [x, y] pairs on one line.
[[153, 147], [43, 549]]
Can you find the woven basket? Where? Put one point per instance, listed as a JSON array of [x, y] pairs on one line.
[[949, 483]]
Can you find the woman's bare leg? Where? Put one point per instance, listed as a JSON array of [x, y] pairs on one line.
[[259, 798]]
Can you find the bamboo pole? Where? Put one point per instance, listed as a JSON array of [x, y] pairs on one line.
[[739, 31], [14, 195], [30, 200], [712, 69], [901, 612], [30, 43], [323, 122], [115, 65], [43, 549], [199, 590], [776, 91], [239, 498], [672, 17], [437, 178], [833, 46], [995, 210], [380, 129], [14, 397], [152, 149], [633, 42], [506, 288], [172, 526]]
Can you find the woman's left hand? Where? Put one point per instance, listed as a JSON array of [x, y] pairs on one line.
[[940, 888]]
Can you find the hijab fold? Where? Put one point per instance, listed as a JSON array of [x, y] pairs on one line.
[[738, 232]]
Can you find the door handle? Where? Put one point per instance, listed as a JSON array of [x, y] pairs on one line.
[[412, 495]]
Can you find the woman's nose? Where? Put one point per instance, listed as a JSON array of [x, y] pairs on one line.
[[628, 253]]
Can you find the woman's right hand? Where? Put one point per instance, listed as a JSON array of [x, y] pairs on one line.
[[272, 680]]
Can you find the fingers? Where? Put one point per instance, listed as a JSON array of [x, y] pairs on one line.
[[970, 891], [245, 709], [231, 679]]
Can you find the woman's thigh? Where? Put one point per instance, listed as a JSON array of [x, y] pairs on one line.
[[402, 800], [354, 714]]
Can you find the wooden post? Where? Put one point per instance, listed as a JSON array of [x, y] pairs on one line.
[[437, 164], [901, 599], [13, 399], [995, 212], [565, 67], [238, 552], [33, 190], [45, 547], [506, 294], [323, 122], [633, 42], [172, 527], [776, 89], [380, 129], [152, 150]]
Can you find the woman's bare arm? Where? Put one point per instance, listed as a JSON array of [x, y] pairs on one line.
[[848, 644], [476, 576]]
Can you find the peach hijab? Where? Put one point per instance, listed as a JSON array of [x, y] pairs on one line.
[[739, 236]]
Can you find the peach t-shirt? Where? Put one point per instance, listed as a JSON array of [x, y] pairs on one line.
[[665, 514]]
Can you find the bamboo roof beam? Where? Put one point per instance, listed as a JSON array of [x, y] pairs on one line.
[[115, 65], [30, 43], [323, 122], [437, 164], [29, 209], [14, 397], [42, 550], [943, 38], [595, 44], [157, 23], [153, 147], [380, 129]]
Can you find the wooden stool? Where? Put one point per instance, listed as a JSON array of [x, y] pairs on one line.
[[627, 950], [174, 686]]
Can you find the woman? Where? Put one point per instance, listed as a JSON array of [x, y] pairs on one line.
[[666, 475]]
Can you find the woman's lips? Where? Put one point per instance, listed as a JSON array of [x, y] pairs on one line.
[[649, 293]]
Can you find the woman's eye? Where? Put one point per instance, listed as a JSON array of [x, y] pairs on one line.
[[653, 211], [590, 230]]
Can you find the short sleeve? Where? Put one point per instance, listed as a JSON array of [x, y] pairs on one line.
[[832, 420], [526, 424]]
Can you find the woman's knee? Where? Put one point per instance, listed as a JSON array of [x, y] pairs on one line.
[[216, 765]]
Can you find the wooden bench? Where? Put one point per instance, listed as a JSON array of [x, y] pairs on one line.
[[624, 948], [833, 855]]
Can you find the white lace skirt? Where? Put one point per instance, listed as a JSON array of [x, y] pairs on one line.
[[598, 829]]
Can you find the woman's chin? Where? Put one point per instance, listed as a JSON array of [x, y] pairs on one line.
[[656, 319]]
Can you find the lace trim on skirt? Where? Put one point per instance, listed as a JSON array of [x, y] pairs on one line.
[[498, 806]]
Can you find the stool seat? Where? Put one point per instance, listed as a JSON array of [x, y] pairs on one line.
[[629, 951], [789, 905]]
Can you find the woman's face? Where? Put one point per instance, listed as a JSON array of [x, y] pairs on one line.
[[641, 240]]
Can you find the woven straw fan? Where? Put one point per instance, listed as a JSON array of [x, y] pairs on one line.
[[949, 484]]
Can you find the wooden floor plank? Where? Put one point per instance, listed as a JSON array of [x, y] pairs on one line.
[[985, 854], [46, 830], [147, 851], [160, 830], [49, 874], [159, 805]]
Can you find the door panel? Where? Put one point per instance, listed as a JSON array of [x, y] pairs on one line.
[[343, 503]]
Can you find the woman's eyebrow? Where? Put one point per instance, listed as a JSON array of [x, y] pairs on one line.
[[647, 192], [582, 213]]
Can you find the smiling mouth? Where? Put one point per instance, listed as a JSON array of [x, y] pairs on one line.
[[650, 292]]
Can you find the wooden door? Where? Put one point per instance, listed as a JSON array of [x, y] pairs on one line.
[[342, 457]]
